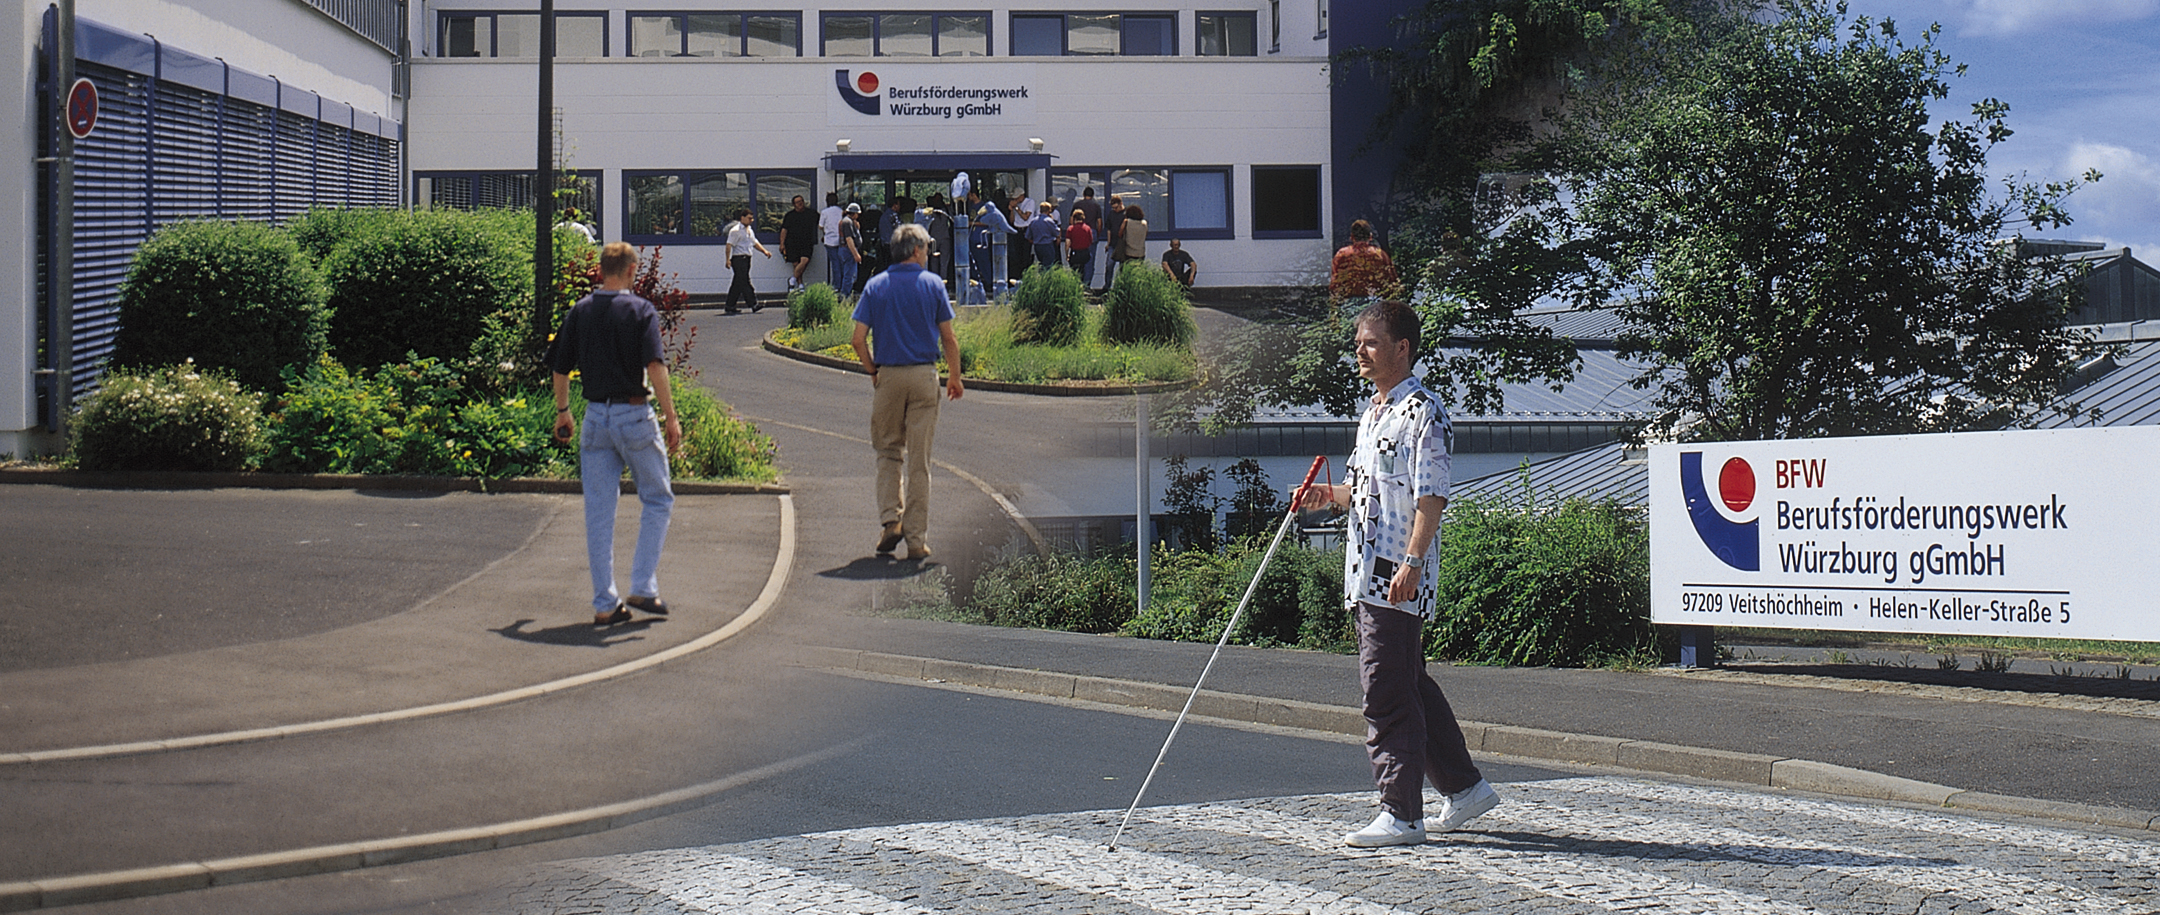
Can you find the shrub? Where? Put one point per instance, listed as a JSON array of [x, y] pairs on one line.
[[235, 297], [1147, 306], [812, 306], [330, 421], [1049, 307], [321, 231], [417, 418], [173, 418], [510, 350], [1298, 601], [717, 444], [1061, 591], [424, 283], [1565, 585]]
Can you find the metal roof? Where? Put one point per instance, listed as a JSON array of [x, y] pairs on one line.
[[1606, 471]]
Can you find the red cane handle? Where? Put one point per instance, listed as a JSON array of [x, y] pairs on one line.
[[1299, 498]]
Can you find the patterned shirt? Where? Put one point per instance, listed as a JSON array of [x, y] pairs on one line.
[[1403, 442]]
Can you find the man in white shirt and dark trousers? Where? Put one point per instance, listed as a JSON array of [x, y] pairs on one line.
[[741, 238], [1394, 488]]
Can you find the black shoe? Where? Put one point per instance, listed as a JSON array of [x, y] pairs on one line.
[[754, 309], [652, 605], [621, 615], [731, 311]]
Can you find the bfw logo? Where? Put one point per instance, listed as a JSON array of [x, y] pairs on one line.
[[861, 92], [1737, 543]]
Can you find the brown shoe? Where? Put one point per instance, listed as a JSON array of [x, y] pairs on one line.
[[918, 552], [888, 540]]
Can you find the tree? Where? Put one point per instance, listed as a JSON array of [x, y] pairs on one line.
[[1800, 254]]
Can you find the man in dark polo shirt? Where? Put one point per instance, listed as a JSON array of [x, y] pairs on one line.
[[612, 339], [906, 312]]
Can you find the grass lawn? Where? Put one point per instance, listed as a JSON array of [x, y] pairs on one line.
[[987, 351]]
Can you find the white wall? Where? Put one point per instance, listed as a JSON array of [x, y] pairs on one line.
[[18, 249], [772, 113], [283, 38]]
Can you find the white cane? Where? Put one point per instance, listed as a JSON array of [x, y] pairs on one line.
[[1280, 530]]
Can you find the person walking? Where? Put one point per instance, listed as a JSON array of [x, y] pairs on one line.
[[1023, 251], [798, 238], [611, 338], [1080, 248], [1394, 488], [849, 256], [1360, 269], [1090, 212], [907, 315], [829, 220], [741, 239]]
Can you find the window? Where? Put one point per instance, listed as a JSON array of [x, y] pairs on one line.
[[1180, 202], [1286, 201], [1094, 34], [715, 34], [518, 35], [1322, 11], [695, 207], [907, 35], [1228, 34], [476, 190]]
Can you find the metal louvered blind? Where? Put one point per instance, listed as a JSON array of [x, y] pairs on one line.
[[112, 213]]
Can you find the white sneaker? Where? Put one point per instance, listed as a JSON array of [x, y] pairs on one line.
[[1466, 805], [1387, 830]]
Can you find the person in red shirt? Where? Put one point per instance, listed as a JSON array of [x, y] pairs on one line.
[[1080, 247], [1361, 269]]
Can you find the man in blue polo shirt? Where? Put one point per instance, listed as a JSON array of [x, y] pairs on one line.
[[908, 316]]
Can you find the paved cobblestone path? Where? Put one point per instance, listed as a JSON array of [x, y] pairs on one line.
[[1575, 845]]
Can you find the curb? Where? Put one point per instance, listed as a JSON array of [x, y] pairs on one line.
[[984, 384], [1756, 769], [183, 479]]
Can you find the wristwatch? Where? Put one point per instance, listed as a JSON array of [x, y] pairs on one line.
[[1415, 562]]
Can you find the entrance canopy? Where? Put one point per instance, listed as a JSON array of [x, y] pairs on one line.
[[936, 161]]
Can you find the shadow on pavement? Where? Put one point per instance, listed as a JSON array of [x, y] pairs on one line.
[[579, 635], [879, 568]]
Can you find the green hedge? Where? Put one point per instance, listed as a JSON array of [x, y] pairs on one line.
[[236, 297], [424, 283], [1563, 586]]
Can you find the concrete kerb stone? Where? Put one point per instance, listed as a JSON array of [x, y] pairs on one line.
[[1528, 743], [160, 479]]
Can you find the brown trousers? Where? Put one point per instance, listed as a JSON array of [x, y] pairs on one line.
[[903, 418], [1410, 732]]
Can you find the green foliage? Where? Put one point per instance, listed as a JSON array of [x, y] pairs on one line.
[[1190, 502], [1256, 508], [1147, 306], [411, 418], [1297, 603], [236, 297], [425, 283], [322, 230], [812, 306], [1565, 585], [717, 445], [1049, 307], [1061, 591], [172, 418]]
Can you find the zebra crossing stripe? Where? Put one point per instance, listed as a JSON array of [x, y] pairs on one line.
[[1148, 880], [2005, 891], [2120, 851], [719, 883], [1560, 876]]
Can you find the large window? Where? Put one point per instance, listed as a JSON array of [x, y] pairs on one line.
[[907, 34], [1177, 202], [1286, 201], [1227, 34], [695, 207], [466, 190], [518, 35], [775, 34], [1094, 34]]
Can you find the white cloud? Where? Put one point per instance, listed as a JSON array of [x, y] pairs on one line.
[[1999, 18], [2124, 207]]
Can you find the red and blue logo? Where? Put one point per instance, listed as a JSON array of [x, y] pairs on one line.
[[1736, 543], [860, 92]]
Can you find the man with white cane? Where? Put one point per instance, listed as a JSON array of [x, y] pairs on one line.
[[1394, 488]]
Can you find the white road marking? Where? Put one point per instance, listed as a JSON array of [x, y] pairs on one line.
[[1154, 881], [1559, 875], [720, 883]]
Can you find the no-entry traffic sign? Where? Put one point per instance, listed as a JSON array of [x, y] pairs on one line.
[[82, 108]]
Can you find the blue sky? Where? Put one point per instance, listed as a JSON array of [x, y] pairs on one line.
[[2082, 78]]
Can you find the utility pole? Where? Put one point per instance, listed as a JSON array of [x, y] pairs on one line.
[[1140, 478], [544, 183], [59, 371]]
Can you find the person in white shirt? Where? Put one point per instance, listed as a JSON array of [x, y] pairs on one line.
[[741, 238], [829, 234]]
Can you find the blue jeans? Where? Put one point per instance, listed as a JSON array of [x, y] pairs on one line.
[[613, 437], [1084, 264], [843, 270]]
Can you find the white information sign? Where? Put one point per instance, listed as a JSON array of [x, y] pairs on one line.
[[915, 95], [2046, 534]]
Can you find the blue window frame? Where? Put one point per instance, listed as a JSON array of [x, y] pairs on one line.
[[1229, 34], [917, 34], [1094, 34], [1286, 201], [695, 206], [496, 34], [715, 34], [1187, 202]]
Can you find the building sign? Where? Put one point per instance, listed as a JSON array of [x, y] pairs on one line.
[[2044, 534], [917, 95]]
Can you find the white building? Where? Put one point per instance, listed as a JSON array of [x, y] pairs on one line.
[[1222, 121]]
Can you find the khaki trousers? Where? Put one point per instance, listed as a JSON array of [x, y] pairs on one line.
[[903, 418]]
